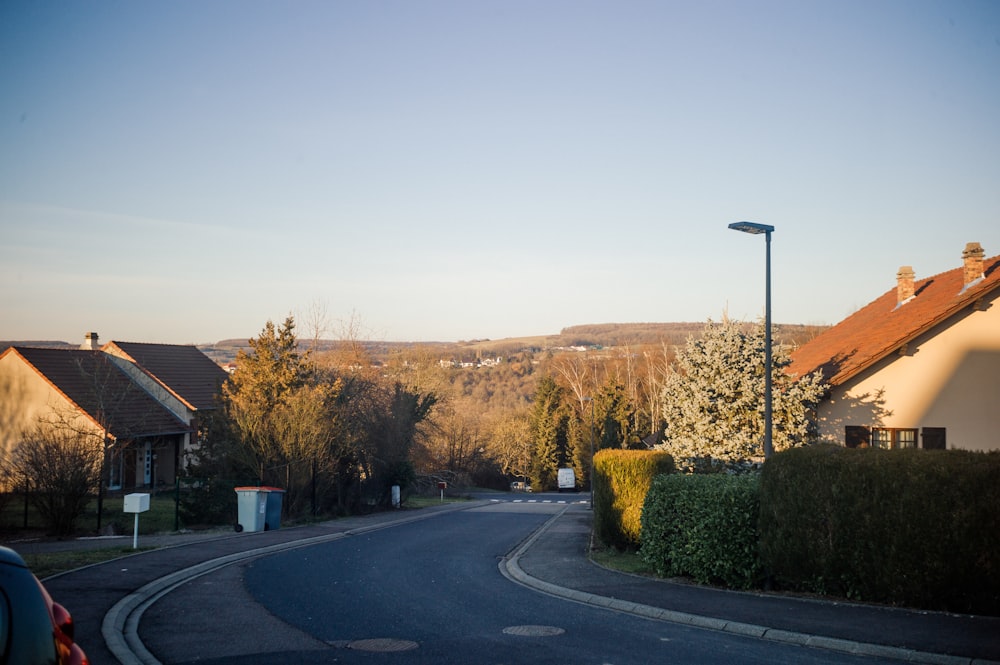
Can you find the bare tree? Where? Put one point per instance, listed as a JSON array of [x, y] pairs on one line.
[[350, 351], [316, 322], [114, 411], [657, 370], [510, 445], [62, 468], [578, 376]]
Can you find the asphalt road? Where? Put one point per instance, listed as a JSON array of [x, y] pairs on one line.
[[421, 592]]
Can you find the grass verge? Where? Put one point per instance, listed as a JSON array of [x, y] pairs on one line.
[[625, 562], [417, 501], [46, 564], [160, 517]]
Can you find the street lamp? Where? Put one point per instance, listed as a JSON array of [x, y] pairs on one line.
[[757, 229], [591, 479]]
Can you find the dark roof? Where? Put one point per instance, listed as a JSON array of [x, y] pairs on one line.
[[189, 374], [882, 327], [92, 381]]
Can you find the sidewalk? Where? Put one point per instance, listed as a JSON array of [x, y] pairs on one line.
[[554, 560]]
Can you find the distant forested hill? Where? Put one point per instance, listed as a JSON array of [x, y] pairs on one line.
[[591, 334], [625, 334], [622, 334]]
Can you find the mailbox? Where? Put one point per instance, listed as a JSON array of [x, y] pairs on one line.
[[136, 503]]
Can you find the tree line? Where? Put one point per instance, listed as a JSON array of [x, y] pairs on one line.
[[540, 410], [336, 427], [334, 433]]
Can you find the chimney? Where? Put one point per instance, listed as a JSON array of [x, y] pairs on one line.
[[90, 342], [904, 284], [973, 258]]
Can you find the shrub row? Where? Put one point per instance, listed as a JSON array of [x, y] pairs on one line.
[[919, 528], [906, 527], [703, 527], [621, 480]]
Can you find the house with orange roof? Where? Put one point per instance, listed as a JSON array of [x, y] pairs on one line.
[[141, 400], [918, 367]]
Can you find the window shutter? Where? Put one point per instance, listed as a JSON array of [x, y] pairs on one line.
[[934, 438], [857, 436]]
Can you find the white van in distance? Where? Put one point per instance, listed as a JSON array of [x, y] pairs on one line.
[[567, 480]]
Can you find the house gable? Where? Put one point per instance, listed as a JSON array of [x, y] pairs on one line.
[[143, 398], [886, 325], [27, 397], [917, 366], [97, 389]]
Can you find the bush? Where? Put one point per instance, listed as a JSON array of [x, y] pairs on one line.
[[621, 480], [919, 528], [703, 527], [63, 468], [208, 501]]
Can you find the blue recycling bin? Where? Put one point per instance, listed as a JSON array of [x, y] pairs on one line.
[[258, 508]]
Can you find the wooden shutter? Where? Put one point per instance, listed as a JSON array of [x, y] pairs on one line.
[[857, 436], [934, 438]]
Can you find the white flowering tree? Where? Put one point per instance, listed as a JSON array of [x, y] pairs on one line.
[[714, 397]]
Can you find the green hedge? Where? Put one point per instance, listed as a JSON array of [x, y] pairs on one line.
[[621, 480], [703, 527], [919, 528]]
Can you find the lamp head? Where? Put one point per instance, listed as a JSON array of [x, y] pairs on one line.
[[751, 227]]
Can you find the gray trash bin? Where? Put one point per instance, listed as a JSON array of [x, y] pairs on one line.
[[258, 508]]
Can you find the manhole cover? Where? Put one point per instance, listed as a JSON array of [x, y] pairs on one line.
[[382, 644], [533, 631]]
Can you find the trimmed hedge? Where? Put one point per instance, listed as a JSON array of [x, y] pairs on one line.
[[919, 528], [621, 480], [703, 527]]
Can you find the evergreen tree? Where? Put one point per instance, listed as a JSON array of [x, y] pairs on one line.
[[714, 399], [548, 428], [617, 425], [282, 417], [578, 445]]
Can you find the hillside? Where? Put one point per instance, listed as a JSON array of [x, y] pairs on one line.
[[586, 335], [622, 334]]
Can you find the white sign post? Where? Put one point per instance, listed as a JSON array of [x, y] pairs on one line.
[[136, 503]]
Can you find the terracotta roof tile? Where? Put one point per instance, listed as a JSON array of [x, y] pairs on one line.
[[189, 374], [100, 389], [880, 328]]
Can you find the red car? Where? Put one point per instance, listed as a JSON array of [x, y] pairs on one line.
[[34, 630]]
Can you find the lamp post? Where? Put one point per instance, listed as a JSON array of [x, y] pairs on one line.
[[757, 229], [591, 478]]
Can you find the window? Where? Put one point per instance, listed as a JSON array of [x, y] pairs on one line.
[[892, 438], [881, 438], [115, 469], [906, 438]]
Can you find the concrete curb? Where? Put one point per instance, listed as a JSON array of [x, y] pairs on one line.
[[120, 628], [511, 568]]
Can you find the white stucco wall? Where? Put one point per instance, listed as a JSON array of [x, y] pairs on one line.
[[25, 397]]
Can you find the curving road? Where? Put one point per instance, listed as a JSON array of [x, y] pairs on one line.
[[423, 592]]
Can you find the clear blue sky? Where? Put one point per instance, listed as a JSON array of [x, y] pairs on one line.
[[441, 170]]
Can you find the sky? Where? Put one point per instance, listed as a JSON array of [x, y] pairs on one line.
[[184, 172]]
